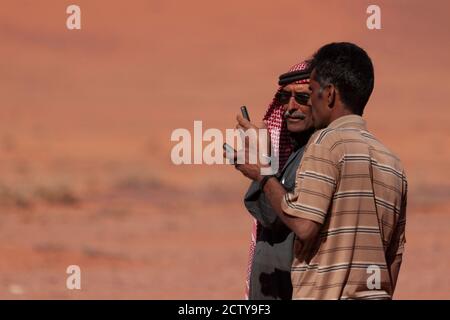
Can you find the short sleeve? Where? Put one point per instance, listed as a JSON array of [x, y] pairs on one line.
[[398, 241], [315, 185]]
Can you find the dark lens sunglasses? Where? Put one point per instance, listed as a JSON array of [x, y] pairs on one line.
[[283, 97]]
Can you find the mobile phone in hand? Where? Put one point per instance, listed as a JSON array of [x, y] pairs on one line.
[[229, 149], [245, 113]]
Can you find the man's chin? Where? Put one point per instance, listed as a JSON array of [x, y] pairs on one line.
[[296, 127]]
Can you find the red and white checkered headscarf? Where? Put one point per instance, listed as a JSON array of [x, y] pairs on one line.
[[279, 135], [281, 146]]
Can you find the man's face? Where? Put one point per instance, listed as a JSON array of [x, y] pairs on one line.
[[295, 110], [319, 103]]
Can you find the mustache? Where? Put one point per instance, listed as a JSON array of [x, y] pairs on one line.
[[294, 114]]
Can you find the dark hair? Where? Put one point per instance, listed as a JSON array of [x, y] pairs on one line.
[[349, 68]]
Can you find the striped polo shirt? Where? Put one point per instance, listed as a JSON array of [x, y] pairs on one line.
[[355, 188]]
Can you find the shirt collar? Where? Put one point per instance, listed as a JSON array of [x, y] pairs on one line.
[[351, 121]]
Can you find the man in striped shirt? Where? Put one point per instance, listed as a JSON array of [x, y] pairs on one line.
[[348, 208]]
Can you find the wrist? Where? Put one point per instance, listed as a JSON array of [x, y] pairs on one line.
[[264, 180]]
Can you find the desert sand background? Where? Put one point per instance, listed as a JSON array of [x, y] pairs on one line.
[[86, 117]]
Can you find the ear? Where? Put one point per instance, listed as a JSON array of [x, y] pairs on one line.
[[331, 96]]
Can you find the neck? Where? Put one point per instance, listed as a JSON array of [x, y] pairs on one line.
[[340, 112]]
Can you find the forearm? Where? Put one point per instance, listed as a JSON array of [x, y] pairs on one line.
[[305, 230], [395, 269]]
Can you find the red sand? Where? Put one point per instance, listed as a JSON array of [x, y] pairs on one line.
[[86, 118]]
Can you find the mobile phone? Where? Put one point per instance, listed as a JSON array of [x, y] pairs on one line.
[[245, 113], [229, 149]]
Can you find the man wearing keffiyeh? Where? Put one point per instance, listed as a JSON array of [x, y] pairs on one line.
[[289, 123]]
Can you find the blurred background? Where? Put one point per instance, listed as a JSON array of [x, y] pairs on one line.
[[86, 118]]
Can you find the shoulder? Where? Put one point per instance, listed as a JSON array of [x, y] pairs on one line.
[[328, 138], [323, 141]]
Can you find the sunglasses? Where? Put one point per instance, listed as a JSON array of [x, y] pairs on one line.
[[283, 97]]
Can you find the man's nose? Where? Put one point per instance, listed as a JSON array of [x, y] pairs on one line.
[[291, 104]]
